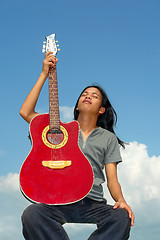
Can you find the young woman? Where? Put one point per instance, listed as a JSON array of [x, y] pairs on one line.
[[99, 144]]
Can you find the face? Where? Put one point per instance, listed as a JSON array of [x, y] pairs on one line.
[[91, 101]]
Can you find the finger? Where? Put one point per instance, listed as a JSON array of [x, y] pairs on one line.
[[132, 220], [131, 216], [51, 64], [50, 61], [52, 58], [116, 205], [48, 53], [48, 64]]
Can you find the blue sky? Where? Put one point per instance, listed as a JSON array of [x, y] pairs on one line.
[[112, 43]]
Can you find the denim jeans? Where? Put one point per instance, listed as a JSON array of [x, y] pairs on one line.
[[44, 222]]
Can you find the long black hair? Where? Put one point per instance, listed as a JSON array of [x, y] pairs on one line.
[[108, 119]]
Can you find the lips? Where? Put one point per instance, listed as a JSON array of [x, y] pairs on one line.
[[86, 101]]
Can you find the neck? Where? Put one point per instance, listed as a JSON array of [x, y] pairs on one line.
[[87, 122]]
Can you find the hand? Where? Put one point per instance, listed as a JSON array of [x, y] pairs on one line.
[[125, 206], [49, 61]]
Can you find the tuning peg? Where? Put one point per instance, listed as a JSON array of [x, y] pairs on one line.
[[44, 42], [58, 49], [56, 41], [57, 45], [43, 50]]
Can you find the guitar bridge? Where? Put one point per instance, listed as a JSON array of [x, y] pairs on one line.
[[56, 164]]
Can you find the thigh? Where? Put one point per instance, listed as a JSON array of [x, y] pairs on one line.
[[43, 211], [60, 213], [96, 212]]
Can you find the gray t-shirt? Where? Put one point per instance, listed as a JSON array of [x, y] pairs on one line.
[[101, 147]]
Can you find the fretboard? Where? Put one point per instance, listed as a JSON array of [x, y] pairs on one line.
[[54, 119]]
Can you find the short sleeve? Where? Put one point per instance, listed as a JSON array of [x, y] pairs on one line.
[[112, 153]]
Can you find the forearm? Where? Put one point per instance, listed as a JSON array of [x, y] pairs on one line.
[[115, 191], [27, 110]]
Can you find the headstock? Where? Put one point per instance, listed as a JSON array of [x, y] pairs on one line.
[[50, 44]]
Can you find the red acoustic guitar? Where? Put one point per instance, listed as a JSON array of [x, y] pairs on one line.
[[55, 171]]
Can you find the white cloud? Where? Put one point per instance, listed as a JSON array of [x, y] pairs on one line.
[[66, 113], [41, 110], [12, 204], [139, 175], [9, 183]]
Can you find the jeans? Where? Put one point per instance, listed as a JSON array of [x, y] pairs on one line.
[[44, 222]]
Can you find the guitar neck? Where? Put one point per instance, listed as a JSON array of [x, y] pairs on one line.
[[54, 118]]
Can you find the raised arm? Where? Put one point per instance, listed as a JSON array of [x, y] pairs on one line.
[[27, 110]]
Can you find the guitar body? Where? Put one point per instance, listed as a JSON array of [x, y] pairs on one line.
[[55, 173]]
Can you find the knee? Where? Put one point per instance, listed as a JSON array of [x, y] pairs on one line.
[[30, 214], [123, 217]]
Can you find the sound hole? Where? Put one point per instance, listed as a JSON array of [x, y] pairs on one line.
[[55, 136]]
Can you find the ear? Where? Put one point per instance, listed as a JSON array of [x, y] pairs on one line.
[[102, 110]]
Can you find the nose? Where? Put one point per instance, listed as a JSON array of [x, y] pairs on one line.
[[88, 97]]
